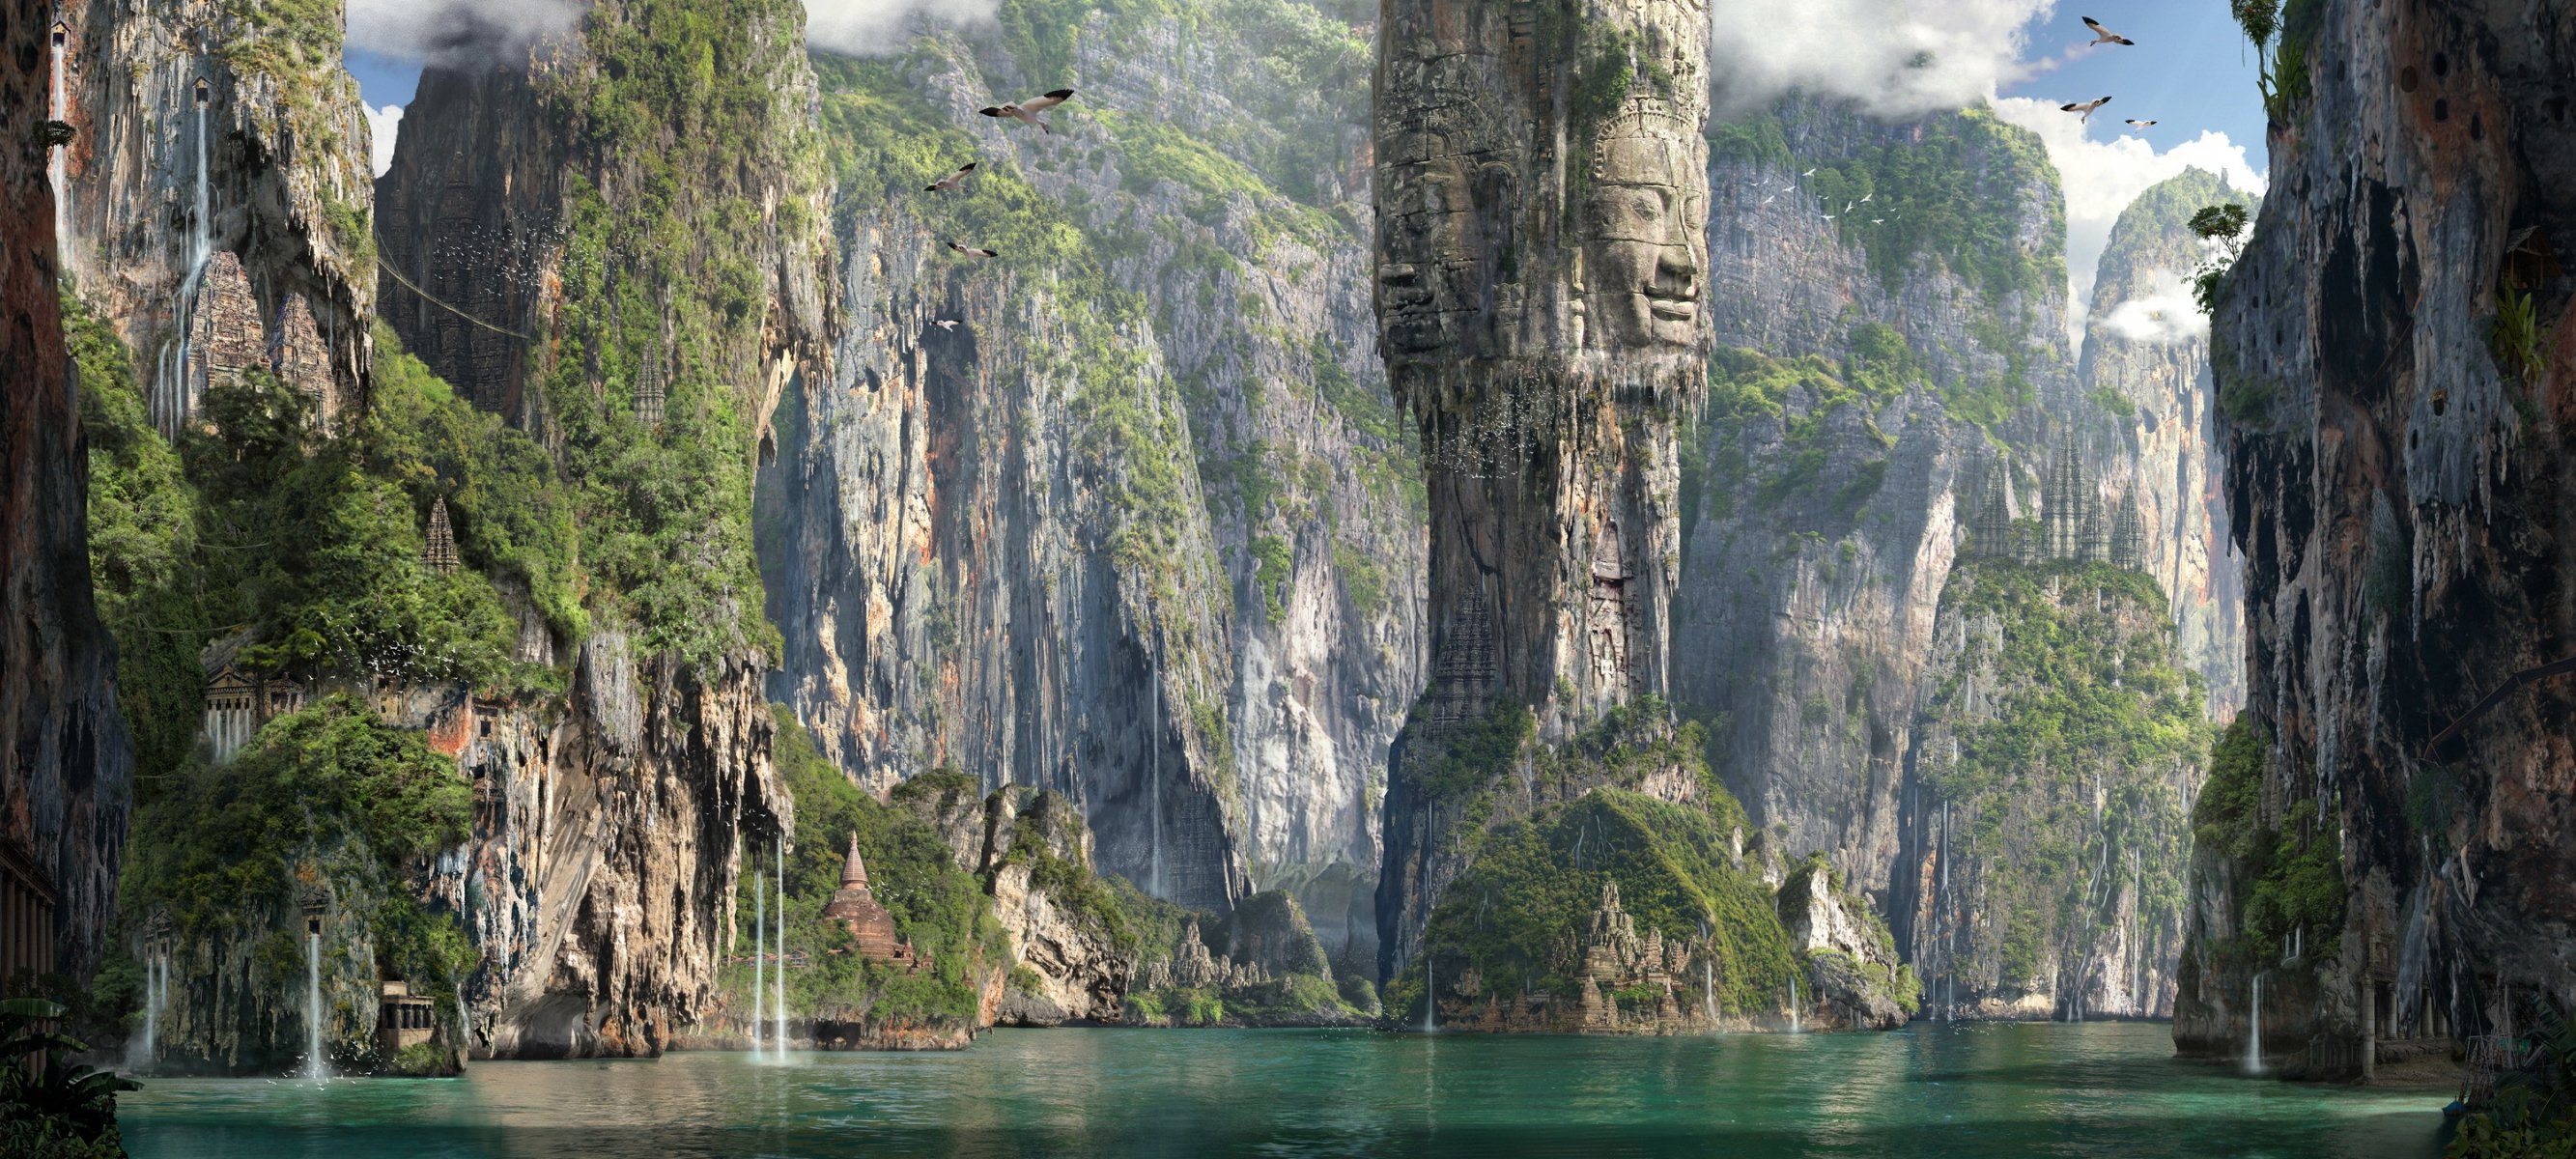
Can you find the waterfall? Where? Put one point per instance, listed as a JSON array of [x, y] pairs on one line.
[[1793, 1005], [1154, 742], [464, 1021], [782, 949], [314, 1067], [1708, 987], [1430, 991], [156, 982], [57, 169], [2254, 1031], [171, 392], [759, 935]]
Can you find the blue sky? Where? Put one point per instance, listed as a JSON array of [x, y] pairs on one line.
[[2191, 71]]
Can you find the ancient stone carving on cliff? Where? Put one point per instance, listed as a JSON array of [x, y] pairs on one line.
[[1542, 199]]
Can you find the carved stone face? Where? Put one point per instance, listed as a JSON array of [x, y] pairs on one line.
[[1645, 240]]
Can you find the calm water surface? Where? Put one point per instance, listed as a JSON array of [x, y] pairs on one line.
[[2102, 1089]]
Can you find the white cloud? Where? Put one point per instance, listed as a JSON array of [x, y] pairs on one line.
[[2164, 314], [1893, 57], [876, 27], [471, 31], [383, 125], [456, 31], [2101, 178]]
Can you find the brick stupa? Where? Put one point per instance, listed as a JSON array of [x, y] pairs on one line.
[[857, 910]]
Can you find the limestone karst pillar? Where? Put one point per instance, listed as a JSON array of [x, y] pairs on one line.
[[1542, 204], [1542, 198]]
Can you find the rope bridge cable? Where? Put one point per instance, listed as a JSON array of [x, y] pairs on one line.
[[432, 299]]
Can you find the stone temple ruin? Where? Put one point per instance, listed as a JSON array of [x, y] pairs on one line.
[[854, 907], [2072, 524], [228, 339]]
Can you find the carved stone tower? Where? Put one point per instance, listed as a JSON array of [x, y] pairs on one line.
[[1542, 198], [1542, 203], [440, 550], [1991, 535]]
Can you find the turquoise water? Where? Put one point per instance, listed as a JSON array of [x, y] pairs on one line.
[[2101, 1089]]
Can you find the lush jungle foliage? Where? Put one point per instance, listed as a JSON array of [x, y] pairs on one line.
[[2079, 742], [939, 910], [2289, 871], [1518, 914], [51, 1107]]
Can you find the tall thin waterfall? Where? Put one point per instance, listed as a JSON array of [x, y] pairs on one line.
[[1708, 986], [314, 1067], [759, 937], [57, 165], [782, 949], [1154, 741], [2254, 1029], [1430, 992], [156, 993], [1793, 1006], [173, 393]]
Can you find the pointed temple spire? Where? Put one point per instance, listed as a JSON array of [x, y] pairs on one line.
[[440, 553]]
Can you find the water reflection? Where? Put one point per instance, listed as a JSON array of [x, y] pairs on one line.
[[2089, 1090]]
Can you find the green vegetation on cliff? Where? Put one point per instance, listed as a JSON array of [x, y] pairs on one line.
[[1517, 916], [2289, 875], [2077, 739], [939, 910], [1954, 193]]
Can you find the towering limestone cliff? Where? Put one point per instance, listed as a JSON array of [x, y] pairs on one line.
[[1123, 512], [2056, 748], [2394, 360], [216, 137], [1890, 388], [615, 239], [65, 766], [1541, 187], [1869, 369], [2146, 360]]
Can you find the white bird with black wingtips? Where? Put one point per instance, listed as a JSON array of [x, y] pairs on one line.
[[1028, 110], [2103, 35], [973, 252], [2134, 123], [951, 181], [2085, 107]]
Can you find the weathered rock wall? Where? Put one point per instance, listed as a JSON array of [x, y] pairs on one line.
[[1825, 516], [2146, 345], [2394, 440], [2057, 747], [1122, 512], [1541, 193], [65, 768], [541, 209], [269, 164]]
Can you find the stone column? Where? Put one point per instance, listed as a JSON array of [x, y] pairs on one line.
[[1542, 203]]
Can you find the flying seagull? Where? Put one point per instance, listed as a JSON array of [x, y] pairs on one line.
[[951, 181], [2103, 35], [1864, 198], [1808, 173], [2138, 124], [945, 323], [973, 252], [1770, 199], [1028, 110], [1826, 216], [2085, 108]]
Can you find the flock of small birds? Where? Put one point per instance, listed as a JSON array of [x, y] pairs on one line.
[[2084, 109], [1025, 111]]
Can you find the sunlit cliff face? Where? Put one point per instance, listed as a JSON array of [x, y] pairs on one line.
[[1644, 243]]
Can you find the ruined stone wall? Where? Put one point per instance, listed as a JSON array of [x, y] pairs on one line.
[[1542, 199]]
